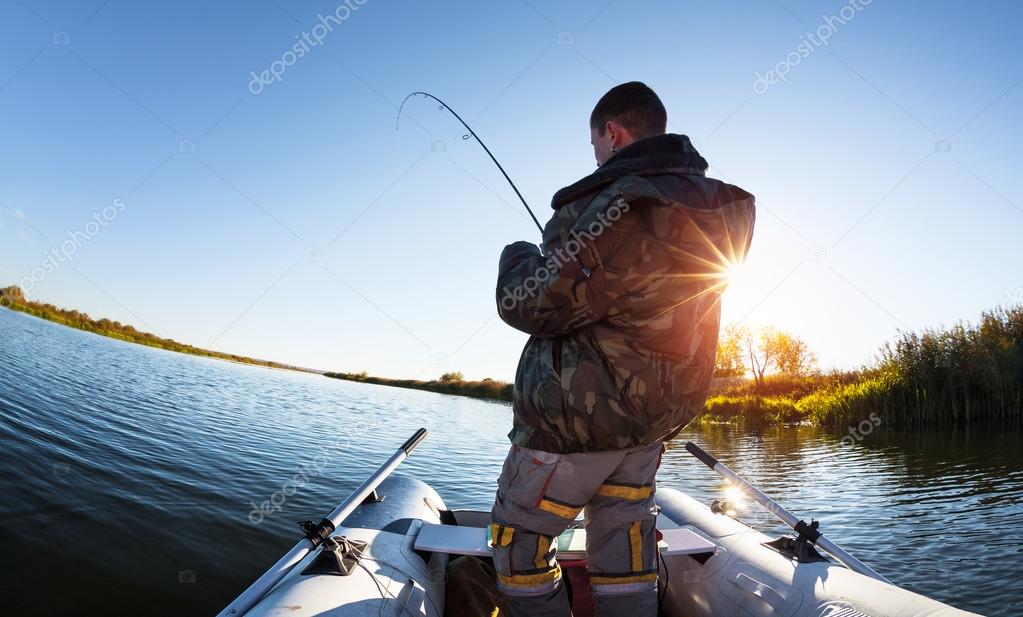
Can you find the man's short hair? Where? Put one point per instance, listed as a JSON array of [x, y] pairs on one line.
[[633, 105]]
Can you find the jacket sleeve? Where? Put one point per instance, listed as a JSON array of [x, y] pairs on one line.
[[549, 296], [552, 294]]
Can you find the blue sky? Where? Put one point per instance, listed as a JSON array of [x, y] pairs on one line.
[[296, 224]]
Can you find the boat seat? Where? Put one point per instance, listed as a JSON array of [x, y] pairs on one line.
[[457, 540]]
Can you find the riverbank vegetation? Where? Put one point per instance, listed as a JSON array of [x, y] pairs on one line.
[[960, 374], [13, 298], [965, 373], [448, 383]]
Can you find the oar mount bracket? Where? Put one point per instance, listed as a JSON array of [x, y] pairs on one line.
[[808, 533], [801, 548], [316, 533], [340, 556]]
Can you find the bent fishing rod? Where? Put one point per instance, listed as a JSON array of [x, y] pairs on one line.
[[444, 105]]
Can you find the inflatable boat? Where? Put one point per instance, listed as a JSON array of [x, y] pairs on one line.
[[394, 541]]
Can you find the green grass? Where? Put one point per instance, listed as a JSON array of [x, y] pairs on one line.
[[13, 300], [485, 389], [965, 373], [961, 374], [451, 383]]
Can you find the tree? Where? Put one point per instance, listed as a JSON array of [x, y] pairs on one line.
[[730, 361], [452, 377], [793, 356], [13, 292], [761, 352]]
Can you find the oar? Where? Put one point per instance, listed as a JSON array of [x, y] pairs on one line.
[[800, 526], [315, 534]]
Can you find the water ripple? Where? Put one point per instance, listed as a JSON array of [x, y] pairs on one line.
[[153, 463]]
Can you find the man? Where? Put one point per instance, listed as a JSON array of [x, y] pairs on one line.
[[623, 309]]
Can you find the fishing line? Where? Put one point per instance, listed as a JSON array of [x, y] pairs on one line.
[[444, 105]]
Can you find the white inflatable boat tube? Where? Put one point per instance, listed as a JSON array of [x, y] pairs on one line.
[[279, 570]]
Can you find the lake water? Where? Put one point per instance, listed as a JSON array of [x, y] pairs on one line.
[[129, 477]]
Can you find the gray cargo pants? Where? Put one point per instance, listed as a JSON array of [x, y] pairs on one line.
[[539, 494]]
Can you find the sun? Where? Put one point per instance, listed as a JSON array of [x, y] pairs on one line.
[[734, 273]]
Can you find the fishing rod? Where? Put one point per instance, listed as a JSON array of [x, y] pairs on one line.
[[810, 532], [317, 533], [480, 141]]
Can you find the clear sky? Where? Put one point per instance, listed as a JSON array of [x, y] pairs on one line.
[[295, 224]]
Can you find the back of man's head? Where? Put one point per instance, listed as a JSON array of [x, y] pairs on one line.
[[634, 106]]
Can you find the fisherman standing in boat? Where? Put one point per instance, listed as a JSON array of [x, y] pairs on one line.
[[623, 309]]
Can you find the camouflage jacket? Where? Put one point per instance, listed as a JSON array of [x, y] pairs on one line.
[[623, 303]]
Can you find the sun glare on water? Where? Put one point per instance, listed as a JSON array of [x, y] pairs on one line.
[[734, 495]]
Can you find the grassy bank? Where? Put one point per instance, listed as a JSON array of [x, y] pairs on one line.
[[449, 383], [12, 298], [961, 374]]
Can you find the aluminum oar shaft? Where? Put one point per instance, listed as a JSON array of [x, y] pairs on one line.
[[279, 570], [781, 513]]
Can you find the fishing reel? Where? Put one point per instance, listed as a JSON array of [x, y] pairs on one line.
[[801, 548]]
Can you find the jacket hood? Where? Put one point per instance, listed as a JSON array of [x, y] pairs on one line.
[[662, 154]]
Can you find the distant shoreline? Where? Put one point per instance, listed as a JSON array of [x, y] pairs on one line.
[[963, 374], [449, 383], [127, 333]]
